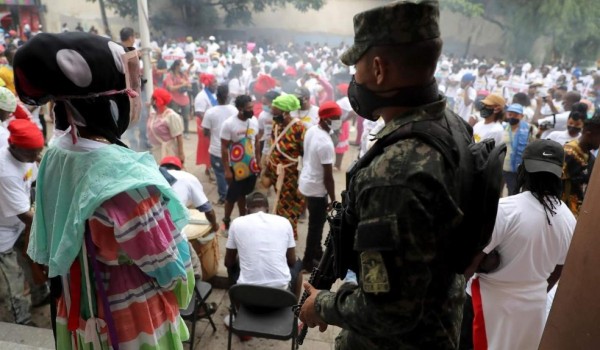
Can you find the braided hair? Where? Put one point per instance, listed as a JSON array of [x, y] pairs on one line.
[[544, 186]]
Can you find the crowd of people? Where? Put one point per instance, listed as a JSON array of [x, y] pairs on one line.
[[275, 121]]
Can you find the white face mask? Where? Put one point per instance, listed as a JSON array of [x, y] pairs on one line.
[[335, 124]]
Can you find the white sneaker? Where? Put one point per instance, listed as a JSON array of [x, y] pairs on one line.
[[227, 320]]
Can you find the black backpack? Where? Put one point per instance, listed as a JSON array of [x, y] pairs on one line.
[[478, 172]]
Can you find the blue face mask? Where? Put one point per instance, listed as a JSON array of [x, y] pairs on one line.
[[267, 108]]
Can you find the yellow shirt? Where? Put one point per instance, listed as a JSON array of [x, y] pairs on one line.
[[7, 74]]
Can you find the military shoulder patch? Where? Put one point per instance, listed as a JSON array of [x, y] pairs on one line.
[[374, 274]]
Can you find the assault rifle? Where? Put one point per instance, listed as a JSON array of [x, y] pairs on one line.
[[323, 276]]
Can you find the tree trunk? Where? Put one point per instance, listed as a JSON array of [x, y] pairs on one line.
[[104, 18]]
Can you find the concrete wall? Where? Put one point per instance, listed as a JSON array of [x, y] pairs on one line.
[[333, 24], [88, 13]]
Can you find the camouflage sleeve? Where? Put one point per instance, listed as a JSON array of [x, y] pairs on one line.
[[404, 207]]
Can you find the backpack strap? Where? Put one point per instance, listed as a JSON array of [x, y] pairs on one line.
[[436, 133]]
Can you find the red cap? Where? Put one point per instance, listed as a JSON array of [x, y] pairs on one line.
[[329, 109], [162, 97], [25, 134], [264, 83], [172, 160]]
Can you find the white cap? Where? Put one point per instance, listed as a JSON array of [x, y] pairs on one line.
[[8, 101], [211, 38]]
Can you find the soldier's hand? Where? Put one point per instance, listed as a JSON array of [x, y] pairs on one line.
[[308, 313]]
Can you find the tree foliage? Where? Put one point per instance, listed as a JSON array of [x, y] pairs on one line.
[[205, 13], [572, 25]]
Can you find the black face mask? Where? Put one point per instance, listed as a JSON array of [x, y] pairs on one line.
[[486, 112], [248, 114], [365, 102], [513, 121], [573, 130], [278, 118]]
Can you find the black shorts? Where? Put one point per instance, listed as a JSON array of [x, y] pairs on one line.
[[240, 188]]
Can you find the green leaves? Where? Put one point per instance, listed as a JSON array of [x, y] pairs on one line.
[[571, 25], [203, 13]]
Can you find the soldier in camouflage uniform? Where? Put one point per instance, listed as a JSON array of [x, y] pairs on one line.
[[403, 203]]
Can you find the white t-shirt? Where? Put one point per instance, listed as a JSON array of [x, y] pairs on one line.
[[482, 131], [318, 150], [4, 135], [559, 125], [529, 247], [191, 47], [452, 89], [465, 110], [236, 87], [188, 188], [309, 117], [213, 120], [265, 124], [547, 110], [562, 137], [202, 102], [194, 72], [15, 186], [262, 241], [481, 83], [212, 47], [345, 105], [234, 129]]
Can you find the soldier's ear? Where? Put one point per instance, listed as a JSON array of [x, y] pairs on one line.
[[380, 70]]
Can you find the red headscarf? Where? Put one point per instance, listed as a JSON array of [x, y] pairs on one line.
[[25, 134], [22, 113], [207, 79], [162, 97]]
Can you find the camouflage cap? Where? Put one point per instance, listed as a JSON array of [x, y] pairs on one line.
[[402, 22]]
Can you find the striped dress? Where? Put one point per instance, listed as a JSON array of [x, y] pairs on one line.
[[147, 274]]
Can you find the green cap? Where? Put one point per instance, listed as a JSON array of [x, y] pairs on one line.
[[402, 22]]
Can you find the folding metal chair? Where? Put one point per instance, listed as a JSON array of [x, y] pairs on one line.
[[262, 312], [201, 293]]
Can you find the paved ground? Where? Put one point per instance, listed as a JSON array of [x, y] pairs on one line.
[[205, 338]]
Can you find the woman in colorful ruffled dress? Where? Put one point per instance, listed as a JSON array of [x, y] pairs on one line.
[[107, 224]]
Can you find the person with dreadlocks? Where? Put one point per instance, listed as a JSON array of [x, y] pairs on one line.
[[107, 224], [579, 162], [532, 235]]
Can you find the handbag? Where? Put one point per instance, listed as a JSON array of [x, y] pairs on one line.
[[241, 158]]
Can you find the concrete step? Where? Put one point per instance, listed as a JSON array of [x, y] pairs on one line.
[[19, 337]]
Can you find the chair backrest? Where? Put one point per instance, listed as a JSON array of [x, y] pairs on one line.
[[261, 296]]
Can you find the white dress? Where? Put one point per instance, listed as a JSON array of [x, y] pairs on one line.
[[509, 303]]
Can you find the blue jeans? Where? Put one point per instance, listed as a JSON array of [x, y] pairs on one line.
[[510, 179], [217, 165]]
